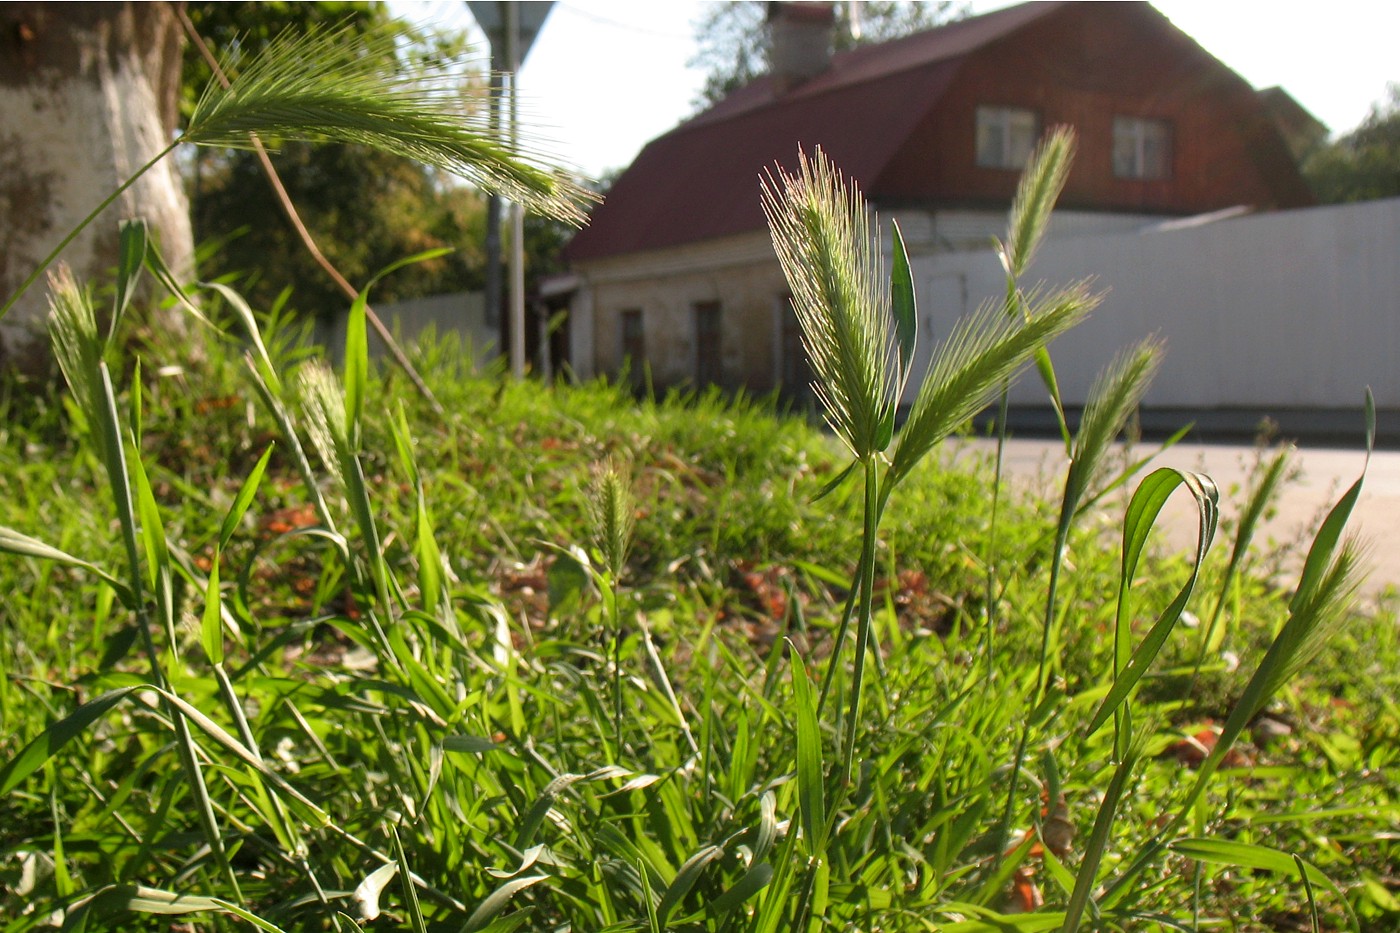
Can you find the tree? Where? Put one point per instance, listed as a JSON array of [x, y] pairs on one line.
[[365, 208], [1365, 163], [733, 37], [322, 86], [90, 95]]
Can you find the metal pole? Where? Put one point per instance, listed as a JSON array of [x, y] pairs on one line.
[[517, 213], [492, 285]]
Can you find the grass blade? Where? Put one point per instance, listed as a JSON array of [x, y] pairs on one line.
[[902, 303], [1141, 516], [52, 740], [152, 529], [131, 257], [1308, 627], [367, 893], [250, 324], [685, 879], [1113, 397], [1262, 858], [1097, 844], [811, 793], [14, 542], [410, 892], [496, 901], [1259, 499], [313, 814], [246, 492], [1324, 545], [211, 632], [1245, 855], [136, 898], [1046, 368], [356, 366], [752, 881]]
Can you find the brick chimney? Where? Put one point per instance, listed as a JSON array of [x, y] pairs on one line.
[[799, 41]]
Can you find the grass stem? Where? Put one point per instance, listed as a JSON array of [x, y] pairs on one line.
[[864, 614], [48, 260]]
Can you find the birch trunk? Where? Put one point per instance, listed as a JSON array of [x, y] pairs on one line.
[[88, 94]]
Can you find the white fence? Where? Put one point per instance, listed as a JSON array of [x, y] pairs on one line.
[[1289, 310]]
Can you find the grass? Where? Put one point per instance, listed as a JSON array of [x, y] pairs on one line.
[[284, 648], [481, 736]]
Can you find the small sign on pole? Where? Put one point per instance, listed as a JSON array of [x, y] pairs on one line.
[[511, 29]]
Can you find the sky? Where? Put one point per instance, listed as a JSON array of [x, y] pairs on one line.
[[604, 77]]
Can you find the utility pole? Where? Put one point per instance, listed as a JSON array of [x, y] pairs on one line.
[[517, 213], [511, 28], [492, 285]]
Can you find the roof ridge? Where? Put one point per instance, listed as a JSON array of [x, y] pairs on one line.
[[840, 74]]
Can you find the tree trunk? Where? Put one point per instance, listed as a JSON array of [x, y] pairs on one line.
[[89, 93]]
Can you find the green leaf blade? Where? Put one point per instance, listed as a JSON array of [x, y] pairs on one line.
[[811, 792], [246, 492], [131, 258], [902, 302], [53, 739]]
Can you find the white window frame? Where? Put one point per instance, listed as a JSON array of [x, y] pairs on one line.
[[1142, 148], [1006, 136]]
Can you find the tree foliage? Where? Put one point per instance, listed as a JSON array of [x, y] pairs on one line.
[[733, 37], [1365, 163], [365, 208]]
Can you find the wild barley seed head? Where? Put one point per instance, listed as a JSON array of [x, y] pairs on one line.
[[822, 238]]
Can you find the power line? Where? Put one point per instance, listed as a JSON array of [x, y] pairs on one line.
[[619, 24]]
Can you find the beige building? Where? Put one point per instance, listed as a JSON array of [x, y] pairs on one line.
[[709, 312], [675, 280]]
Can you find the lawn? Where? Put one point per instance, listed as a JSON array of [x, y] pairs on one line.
[[286, 649], [448, 704]]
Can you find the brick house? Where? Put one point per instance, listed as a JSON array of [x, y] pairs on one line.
[[676, 275]]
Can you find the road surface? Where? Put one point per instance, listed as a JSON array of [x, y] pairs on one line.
[[1322, 475]]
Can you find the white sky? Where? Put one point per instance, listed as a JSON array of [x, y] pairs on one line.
[[606, 76]]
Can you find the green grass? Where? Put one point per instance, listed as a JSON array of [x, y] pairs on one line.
[[482, 732], [284, 648]]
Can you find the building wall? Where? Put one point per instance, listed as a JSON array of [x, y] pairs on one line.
[[1279, 311], [1286, 310], [740, 274], [1087, 64], [927, 231]]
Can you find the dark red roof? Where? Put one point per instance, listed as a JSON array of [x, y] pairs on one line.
[[701, 180]]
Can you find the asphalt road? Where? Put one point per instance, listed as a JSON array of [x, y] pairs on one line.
[[1322, 475]]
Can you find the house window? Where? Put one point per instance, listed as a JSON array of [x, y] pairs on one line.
[[1141, 148], [634, 347], [1005, 136], [708, 368]]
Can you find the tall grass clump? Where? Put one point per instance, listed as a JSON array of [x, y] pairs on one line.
[[821, 238], [283, 650]]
